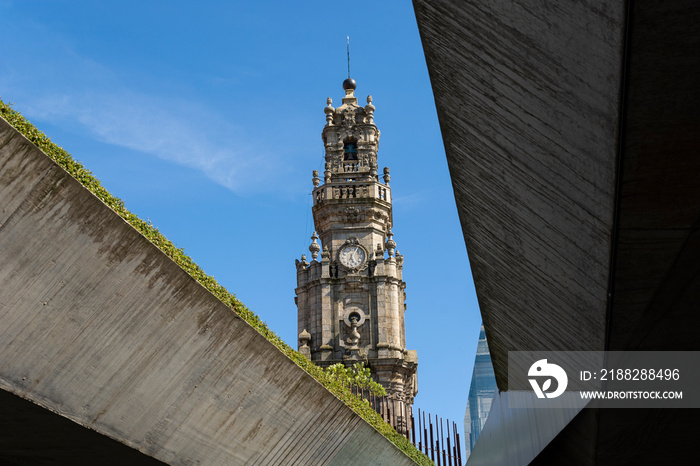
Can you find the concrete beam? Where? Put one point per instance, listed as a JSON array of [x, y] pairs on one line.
[[528, 97], [571, 133]]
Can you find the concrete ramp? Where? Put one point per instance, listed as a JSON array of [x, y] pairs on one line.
[[105, 338]]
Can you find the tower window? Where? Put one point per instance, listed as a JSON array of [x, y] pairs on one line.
[[350, 151]]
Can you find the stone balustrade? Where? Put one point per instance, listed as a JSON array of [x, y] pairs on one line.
[[351, 190], [351, 167]]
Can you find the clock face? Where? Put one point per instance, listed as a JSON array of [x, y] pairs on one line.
[[352, 256]]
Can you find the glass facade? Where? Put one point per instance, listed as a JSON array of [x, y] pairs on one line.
[[481, 391]]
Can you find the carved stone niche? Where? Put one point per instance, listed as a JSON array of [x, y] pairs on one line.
[[353, 317], [354, 311]]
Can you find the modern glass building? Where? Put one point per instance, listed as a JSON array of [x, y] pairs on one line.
[[481, 391]]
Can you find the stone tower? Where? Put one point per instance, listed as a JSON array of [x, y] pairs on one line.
[[350, 300]]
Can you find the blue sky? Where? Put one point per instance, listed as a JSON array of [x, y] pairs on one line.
[[206, 119]]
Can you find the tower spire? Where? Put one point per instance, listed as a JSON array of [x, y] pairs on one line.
[[348, 47]]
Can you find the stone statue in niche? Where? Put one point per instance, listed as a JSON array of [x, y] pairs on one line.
[[354, 339]]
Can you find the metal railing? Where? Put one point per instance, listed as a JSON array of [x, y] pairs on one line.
[[439, 441]]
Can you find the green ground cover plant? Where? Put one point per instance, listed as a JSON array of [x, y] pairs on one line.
[[357, 375], [327, 378]]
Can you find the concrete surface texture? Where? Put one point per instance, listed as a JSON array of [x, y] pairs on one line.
[[528, 95], [98, 328], [571, 133]]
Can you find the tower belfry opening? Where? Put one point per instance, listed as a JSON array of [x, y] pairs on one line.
[[351, 296]]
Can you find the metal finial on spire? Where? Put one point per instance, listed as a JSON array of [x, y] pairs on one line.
[[349, 84]]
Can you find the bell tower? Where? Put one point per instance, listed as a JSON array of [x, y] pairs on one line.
[[351, 299]]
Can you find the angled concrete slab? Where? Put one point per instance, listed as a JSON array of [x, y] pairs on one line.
[[571, 133], [100, 327]]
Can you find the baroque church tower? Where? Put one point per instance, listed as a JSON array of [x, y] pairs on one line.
[[351, 299]]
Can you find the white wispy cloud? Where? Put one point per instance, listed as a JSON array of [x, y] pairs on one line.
[[55, 84], [170, 129]]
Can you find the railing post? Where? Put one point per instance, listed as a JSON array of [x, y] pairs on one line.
[[432, 442], [425, 435], [459, 447], [413, 429], [442, 443], [449, 449]]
